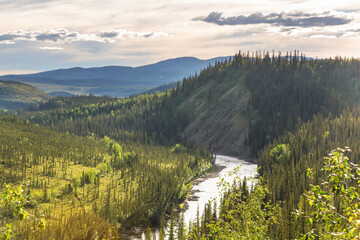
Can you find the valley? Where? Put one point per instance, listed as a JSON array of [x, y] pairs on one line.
[[131, 161]]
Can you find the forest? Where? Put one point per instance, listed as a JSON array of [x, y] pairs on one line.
[[64, 175], [129, 161]]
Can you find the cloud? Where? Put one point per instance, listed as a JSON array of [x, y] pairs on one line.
[[51, 48], [7, 42], [322, 36], [109, 34], [349, 10], [316, 33], [292, 19], [64, 35]]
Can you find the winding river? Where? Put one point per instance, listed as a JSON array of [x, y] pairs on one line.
[[206, 188]]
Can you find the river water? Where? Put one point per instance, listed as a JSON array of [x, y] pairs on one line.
[[207, 187]]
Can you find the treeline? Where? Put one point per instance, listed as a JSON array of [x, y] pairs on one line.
[[284, 164], [291, 89]]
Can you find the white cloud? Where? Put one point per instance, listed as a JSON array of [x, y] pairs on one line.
[[287, 19], [112, 32], [322, 36], [7, 42], [64, 35], [51, 48]]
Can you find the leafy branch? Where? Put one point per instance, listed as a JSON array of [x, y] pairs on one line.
[[335, 203], [14, 201]]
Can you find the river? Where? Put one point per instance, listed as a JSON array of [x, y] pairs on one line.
[[206, 187]]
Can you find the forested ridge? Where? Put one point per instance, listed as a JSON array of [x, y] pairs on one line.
[[16, 95], [146, 116], [288, 110], [306, 108], [280, 91]]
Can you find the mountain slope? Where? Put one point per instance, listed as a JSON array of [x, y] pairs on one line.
[[210, 110], [246, 101], [15, 95], [220, 120], [115, 81]]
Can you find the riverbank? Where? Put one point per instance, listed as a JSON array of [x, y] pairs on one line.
[[205, 188], [192, 196]]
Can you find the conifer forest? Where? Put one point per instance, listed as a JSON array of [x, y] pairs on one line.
[[97, 167]]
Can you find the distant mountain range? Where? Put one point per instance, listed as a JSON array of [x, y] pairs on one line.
[[115, 81]]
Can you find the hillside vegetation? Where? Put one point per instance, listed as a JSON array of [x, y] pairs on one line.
[[306, 108], [286, 171], [128, 184], [15, 95], [288, 110]]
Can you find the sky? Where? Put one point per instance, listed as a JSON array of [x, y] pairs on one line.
[[39, 35]]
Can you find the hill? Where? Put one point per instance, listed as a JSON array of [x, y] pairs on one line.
[[220, 113], [230, 107], [15, 95], [116, 81], [236, 107]]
